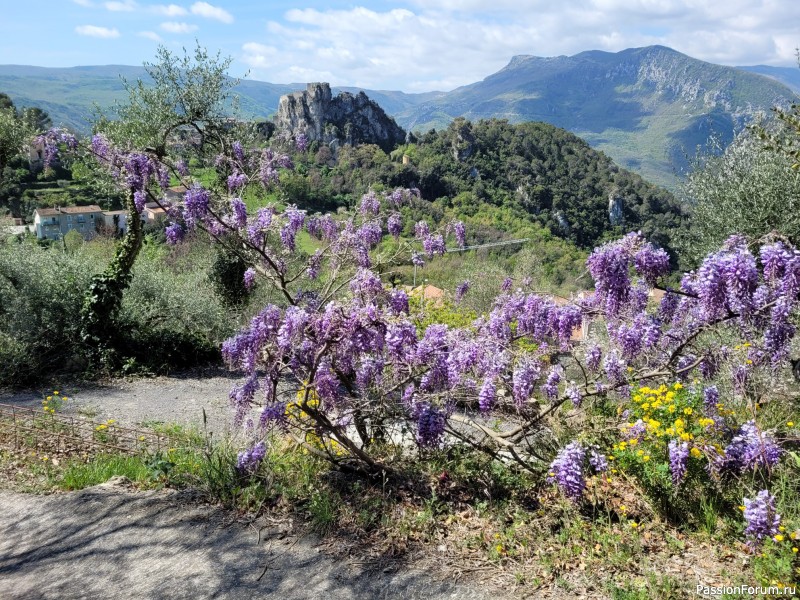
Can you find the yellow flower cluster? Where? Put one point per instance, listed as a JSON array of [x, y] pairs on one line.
[[53, 402], [668, 413], [308, 398], [106, 425], [305, 397]]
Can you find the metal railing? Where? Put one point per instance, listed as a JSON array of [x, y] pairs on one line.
[[30, 428]]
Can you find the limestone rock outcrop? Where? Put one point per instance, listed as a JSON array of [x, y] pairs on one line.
[[344, 119]]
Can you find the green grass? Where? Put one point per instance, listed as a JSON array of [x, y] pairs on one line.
[[79, 475]]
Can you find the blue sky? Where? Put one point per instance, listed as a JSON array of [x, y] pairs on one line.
[[412, 45]]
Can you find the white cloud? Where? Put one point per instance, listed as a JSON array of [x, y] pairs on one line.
[[84, 3], [204, 9], [441, 44], [176, 27], [98, 32], [124, 6], [150, 35], [169, 10]]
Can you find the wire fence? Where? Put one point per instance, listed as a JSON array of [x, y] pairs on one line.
[[23, 428]]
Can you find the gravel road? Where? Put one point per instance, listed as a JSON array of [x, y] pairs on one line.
[[109, 541], [175, 399], [112, 541]]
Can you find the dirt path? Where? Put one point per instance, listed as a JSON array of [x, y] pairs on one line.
[[175, 399], [111, 542]]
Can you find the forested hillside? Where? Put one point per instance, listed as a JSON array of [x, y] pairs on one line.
[[501, 176]]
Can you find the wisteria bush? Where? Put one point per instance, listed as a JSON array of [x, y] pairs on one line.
[[347, 365]]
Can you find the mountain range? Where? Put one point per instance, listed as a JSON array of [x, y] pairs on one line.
[[648, 108]]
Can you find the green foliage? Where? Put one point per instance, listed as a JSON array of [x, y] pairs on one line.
[[186, 91], [169, 317], [227, 276], [100, 328], [40, 298], [81, 474], [72, 241], [426, 312], [15, 132], [747, 189]]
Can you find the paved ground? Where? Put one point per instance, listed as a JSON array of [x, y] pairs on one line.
[[111, 542]]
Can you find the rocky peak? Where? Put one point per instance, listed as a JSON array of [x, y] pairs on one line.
[[344, 119]]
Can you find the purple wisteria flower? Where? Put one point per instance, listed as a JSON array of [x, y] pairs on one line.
[[651, 263], [433, 244], [678, 461], [174, 233], [398, 301], [431, 422], [635, 431], [567, 470], [761, 517], [101, 147], [238, 216], [196, 203], [461, 233], [461, 290], [395, 225], [593, 356], [487, 396], [249, 278], [550, 388], [247, 461], [597, 460], [524, 379], [752, 448], [710, 399], [574, 394], [182, 167], [370, 205], [301, 142], [236, 181]]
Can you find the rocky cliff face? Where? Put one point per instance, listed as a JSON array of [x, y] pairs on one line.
[[345, 119]]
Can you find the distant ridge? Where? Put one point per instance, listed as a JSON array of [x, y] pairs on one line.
[[648, 108]]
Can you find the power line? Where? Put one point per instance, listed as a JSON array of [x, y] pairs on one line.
[[504, 243]]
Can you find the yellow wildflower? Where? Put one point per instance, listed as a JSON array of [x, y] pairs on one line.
[[779, 538], [645, 458], [687, 410], [633, 442], [634, 524], [671, 408], [695, 453], [794, 550], [640, 453], [790, 424], [686, 436], [646, 406], [678, 386]]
